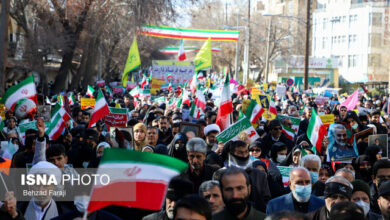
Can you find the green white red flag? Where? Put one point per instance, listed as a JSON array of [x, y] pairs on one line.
[[137, 179], [100, 110], [289, 132], [225, 107], [24, 90], [90, 91], [316, 130], [58, 122], [254, 111], [200, 100], [195, 111], [72, 100], [181, 55]]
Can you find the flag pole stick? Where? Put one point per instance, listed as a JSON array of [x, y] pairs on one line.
[[2, 180]]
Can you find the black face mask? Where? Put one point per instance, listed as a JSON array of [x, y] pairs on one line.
[[366, 174], [236, 206]]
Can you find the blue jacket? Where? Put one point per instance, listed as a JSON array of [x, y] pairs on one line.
[[285, 202]]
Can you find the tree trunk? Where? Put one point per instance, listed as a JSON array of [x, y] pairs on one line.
[[4, 19], [91, 62]]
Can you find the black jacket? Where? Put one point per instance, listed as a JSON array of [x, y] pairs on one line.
[[374, 204], [268, 142], [206, 174]]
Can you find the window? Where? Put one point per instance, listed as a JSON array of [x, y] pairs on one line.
[[343, 19], [352, 40], [323, 42], [352, 19], [352, 60], [374, 40], [376, 19], [374, 59], [324, 21], [344, 39]]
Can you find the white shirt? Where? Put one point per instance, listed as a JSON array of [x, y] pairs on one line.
[[39, 213]]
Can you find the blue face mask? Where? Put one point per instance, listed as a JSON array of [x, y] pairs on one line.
[[302, 193], [314, 177], [354, 126]]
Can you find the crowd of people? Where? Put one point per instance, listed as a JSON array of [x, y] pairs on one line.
[[240, 179]]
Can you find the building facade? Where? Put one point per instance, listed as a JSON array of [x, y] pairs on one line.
[[354, 32]]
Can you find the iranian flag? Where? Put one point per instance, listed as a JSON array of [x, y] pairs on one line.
[[90, 91], [200, 100], [225, 107], [135, 92], [193, 83], [185, 98], [181, 55], [272, 107], [24, 90], [57, 122], [1, 124], [316, 130], [100, 110], [170, 87], [195, 112], [143, 82], [137, 179], [72, 100], [254, 111], [289, 132]]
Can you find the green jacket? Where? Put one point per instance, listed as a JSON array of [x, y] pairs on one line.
[[253, 215]]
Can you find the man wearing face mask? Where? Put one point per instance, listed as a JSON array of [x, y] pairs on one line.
[[211, 131], [177, 189], [198, 170], [300, 198], [313, 164], [361, 196], [384, 200], [337, 189]]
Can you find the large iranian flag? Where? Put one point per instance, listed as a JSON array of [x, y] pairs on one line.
[[57, 123], [101, 109], [316, 130], [225, 107], [137, 179], [289, 132], [254, 111], [25, 89]]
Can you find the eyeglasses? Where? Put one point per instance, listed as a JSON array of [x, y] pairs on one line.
[[255, 150], [341, 135]]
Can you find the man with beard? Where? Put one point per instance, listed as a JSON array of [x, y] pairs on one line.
[[177, 189], [384, 200], [341, 148], [211, 131], [164, 131], [381, 171], [198, 170], [274, 135], [300, 199], [305, 122], [236, 188], [211, 191]]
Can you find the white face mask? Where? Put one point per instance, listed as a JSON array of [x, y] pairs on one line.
[[364, 205], [280, 158], [81, 203]]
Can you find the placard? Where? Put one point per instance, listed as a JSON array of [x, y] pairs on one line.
[[127, 134], [44, 112], [87, 102], [117, 117], [2, 111], [379, 140], [184, 127], [327, 119], [180, 71]]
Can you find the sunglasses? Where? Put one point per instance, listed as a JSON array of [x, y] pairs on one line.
[[277, 128], [255, 150]]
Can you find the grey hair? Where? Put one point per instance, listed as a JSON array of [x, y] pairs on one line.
[[310, 157], [339, 179], [338, 126], [207, 185], [346, 171], [196, 144], [298, 168]]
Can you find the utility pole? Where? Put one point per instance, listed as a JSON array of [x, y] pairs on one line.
[[248, 43], [5, 4], [307, 42], [237, 49]]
